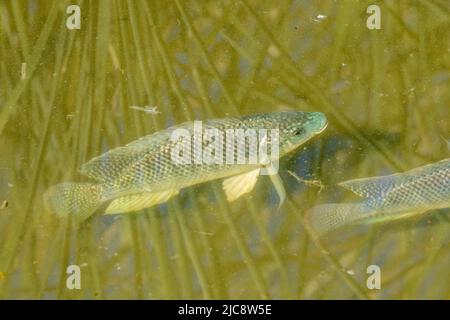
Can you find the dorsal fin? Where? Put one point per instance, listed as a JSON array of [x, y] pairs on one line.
[[110, 164], [369, 187], [375, 186]]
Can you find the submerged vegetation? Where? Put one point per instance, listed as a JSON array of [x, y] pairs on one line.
[[69, 95]]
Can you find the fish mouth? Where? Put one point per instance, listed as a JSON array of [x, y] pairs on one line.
[[323, 127], [323, 122]]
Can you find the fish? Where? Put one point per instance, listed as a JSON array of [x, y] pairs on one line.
[[386, 198], [143, 173]]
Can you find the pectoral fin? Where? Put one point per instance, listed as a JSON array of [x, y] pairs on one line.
[[139, 201], [278, 184], [237, 186]]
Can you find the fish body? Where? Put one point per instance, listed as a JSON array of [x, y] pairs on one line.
[[143, 173], [387, 197]]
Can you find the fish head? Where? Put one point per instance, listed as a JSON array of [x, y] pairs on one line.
[[295, 128]]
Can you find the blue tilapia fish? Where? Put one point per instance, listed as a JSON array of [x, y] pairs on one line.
[[142, 173], [387, 198]]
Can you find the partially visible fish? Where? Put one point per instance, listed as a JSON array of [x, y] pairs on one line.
[[143, 174], [387, 198]]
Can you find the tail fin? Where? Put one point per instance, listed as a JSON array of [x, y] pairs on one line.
[[72, 198], [327, 217]]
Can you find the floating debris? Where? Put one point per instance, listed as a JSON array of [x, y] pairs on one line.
[[205, 233], [311, 183], [23, 71], [146, 109], [70, 116], [319, 18], [4, 205]]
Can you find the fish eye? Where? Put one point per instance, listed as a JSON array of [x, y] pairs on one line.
[[298, 131]]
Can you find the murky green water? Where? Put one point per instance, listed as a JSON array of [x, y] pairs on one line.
[[69, 95]]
